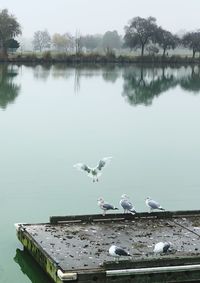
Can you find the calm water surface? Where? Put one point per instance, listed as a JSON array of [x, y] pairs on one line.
[[54, 116]]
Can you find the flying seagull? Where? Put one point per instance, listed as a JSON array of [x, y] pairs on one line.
[[162, 247], [105, 206], [126, 204], [117, 251], [152, 204], [94, 172]]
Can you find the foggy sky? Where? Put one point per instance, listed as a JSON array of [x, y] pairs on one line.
[[99, 16]]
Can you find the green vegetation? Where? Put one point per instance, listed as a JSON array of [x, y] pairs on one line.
[[9, 28], [96, 58], [8, 89], [166, 40], [191, 40], [140, 32]]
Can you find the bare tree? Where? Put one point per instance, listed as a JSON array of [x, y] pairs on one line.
[[41, 40], [62, 42], [78, 45]]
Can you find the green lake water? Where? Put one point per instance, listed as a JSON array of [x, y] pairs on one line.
[[52, 117]]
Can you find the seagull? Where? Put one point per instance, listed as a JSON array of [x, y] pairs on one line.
[[152, 204], [95, 172], [162, 247], [117, 251], [105, 206], [126, 204]]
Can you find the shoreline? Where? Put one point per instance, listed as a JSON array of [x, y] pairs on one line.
[[100, 59]]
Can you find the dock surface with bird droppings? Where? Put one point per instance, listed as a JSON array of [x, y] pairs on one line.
[[79, 244]]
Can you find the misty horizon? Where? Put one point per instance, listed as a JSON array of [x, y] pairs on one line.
[[95, 17]]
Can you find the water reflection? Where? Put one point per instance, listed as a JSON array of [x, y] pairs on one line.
[[141, 85], [41, 72], [61, 71], [192, 82], [9, 90], [29, 267], [111, 73]]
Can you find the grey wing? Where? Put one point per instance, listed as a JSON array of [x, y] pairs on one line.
[[166, 247], [107, 206], [120, 251], [103, 162], [153, 204], [82, 167], [126, 204]]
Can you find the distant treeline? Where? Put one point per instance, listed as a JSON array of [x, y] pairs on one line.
[[141, 34]]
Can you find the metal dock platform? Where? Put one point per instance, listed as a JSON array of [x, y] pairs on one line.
[[75, 248]]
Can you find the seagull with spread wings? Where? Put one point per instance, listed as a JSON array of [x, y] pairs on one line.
[[94, 172]]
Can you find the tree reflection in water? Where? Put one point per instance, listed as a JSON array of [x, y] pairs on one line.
[[110, 73], [8, 89], [192, 82], [142, 85], [41, 72]]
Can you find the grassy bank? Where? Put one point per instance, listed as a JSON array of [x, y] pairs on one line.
[[48, 57]]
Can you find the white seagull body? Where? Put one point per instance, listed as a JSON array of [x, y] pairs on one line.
[[152, 204], [94, 172], [117, 251], [105, 206], [161, 247], [126, 204]]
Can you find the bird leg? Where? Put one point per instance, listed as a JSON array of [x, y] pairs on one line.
[[117, 259]]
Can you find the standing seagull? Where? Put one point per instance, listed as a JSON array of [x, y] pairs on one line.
[[162, 247], [126, 204], [117, 251], [95, 172], [152, 204], [105, 206]]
